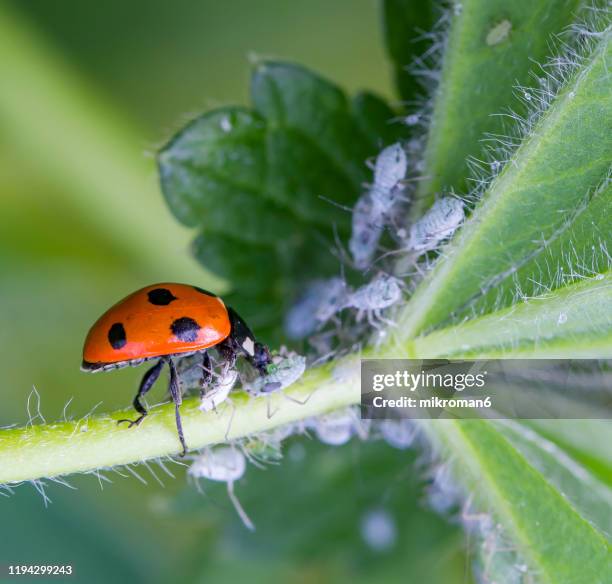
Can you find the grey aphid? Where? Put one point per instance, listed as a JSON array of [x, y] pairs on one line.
[[390, 169], [224, 464], [367, 227], [321, 300], [286, 368], [371, 299], [379, 530], [372, 210], [335, 428], [398, 433], [438, 224], [333, 299], [219, 391]]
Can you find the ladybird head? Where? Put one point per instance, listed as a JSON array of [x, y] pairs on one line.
[[262, 359]]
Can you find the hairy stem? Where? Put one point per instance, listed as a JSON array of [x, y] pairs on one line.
[[97, 442], [61, 448]]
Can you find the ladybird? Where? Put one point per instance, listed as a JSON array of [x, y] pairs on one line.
[[166, 322]]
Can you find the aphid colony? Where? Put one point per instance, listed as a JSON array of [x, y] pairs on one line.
[[377, 209], [324, 299], [228, 463]]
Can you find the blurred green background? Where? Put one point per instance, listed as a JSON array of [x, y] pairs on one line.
[[88, 91]]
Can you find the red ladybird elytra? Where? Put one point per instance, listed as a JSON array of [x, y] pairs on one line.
[[166, 322]]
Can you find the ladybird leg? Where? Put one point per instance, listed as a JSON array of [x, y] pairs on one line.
[[175, 392], [149, 378], [207, 373]]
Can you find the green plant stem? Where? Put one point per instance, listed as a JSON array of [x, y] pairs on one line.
[[98, 442]]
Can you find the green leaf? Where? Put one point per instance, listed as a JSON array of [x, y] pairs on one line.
[[376, 119], [536, 196], [316, 115], [491, 47], [591, 496], [232, 259], [585, 440], [573, 321], [535, 498], [405, 23], [580, 251], [265, 186], [216, 169]]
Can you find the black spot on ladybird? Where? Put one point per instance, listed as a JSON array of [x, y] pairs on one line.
[[160, 296], [116, 336], [186, 329], [202, 291]]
